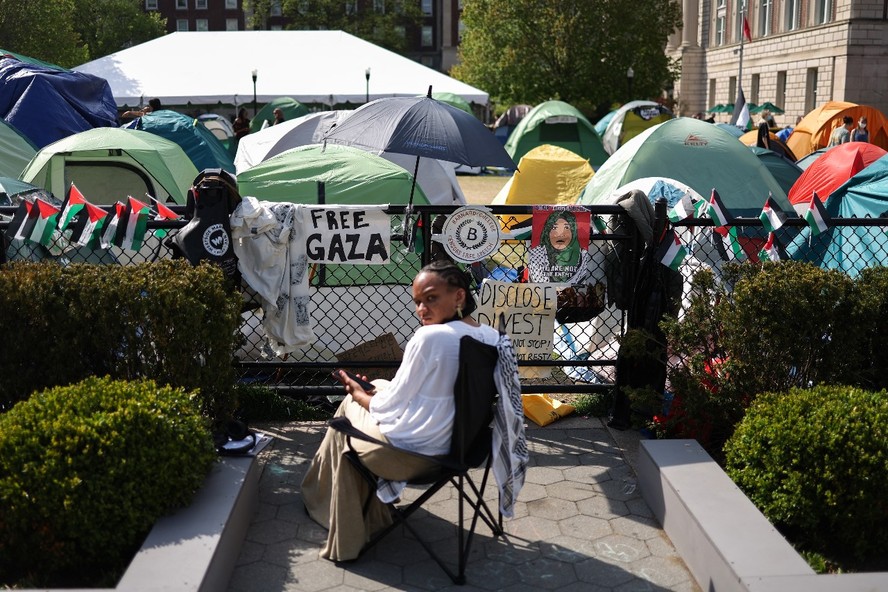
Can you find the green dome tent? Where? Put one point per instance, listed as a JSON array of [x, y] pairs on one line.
[[351, 176], [696, 153], [198, 142], [16, 151], [290, 107], [109, 163], [559, 124]]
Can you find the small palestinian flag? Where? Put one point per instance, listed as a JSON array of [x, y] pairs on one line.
[[111, 223], [86, 228], [717, 211], [817, 217], [683, 208], [728, 243], [47, 219], [132, 225], [772, 216], [23, 221], [671, 252], [73, 205], [162, 212], [599, 224], [773, 250]]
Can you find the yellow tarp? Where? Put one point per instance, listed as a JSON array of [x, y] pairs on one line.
[[814, 129], [546, 175]]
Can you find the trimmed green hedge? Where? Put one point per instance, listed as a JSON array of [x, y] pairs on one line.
[[87, 469], [815, 462], [166, 320]]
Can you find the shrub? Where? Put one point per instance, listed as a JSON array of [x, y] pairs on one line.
[[167, 320], [815, 462], [872, 284], [259, 403], [87, 469], [770, 327]]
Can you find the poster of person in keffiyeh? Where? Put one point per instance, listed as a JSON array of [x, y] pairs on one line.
[[559, 244]]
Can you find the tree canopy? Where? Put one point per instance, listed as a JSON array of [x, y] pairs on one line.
[[530, 51], [383, 22], [71, 32]]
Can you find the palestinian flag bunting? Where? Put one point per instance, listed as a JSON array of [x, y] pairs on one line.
[[162, 212], [817, 217], [716, 210], [772, 216], [86, 228], [111, 223], [132, 225], [599, 224], [671, 252], [46, 223], [73, 205], [773, 250], [22, 221], [728, 243]]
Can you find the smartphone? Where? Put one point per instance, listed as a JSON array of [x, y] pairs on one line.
[[367, 386]]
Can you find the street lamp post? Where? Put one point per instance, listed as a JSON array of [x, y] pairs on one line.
[[367, 93], [255, 75], [630, 75]]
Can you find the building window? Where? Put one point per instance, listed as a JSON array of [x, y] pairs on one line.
[[150, 4], [741, 14], [427, 36], [379, 6], [793, 14], [720, 29], [810, 89], [181, 24], [780, 96], [712, 100], [201, 25], [822, 11], [765, 17], [181, 4], [427, 61], [276, 28], [461, 29], [720, 3], [351, 7], [732, 89], [427, 7], [754, 89], [231, 24], [231, 4], [200, 4], [275, 8]]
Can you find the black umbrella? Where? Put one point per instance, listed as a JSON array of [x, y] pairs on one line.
[[424, 127]]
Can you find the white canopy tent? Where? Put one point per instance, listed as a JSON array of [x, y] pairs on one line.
[[206, 68]]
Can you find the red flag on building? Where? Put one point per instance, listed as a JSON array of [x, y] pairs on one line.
[[746, 32]]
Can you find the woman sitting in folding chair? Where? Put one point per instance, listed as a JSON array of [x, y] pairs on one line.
[[414, 411]]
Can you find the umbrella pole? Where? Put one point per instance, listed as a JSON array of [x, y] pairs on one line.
[[408, 235]]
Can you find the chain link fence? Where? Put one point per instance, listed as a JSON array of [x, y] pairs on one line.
[[363, 316]]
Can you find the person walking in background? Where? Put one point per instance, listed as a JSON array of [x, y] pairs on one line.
[[241, 124], [860, 133], [841, 134]]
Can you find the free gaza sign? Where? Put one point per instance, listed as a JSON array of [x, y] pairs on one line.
[[357, 235]]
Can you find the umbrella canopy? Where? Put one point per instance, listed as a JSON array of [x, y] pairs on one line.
[[437, 179], [720, 108], [290, 107], [766, 105], [423, 127], [199, 143], [693, 152], [785, 172], [831, 170], [109, 163]]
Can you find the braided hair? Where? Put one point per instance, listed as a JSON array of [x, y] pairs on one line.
[[454, 276]]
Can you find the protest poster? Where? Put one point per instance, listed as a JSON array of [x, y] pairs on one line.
[[559, 243], [357, 235]]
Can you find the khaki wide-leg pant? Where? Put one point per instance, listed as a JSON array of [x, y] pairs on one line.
[[334, 491]]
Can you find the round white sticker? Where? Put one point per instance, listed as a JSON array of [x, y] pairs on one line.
[[470, 234], [215, 240]]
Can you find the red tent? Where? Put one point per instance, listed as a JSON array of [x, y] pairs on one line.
[[827, 173]]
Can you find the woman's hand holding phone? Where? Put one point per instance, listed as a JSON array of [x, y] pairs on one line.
[[367, 386]]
